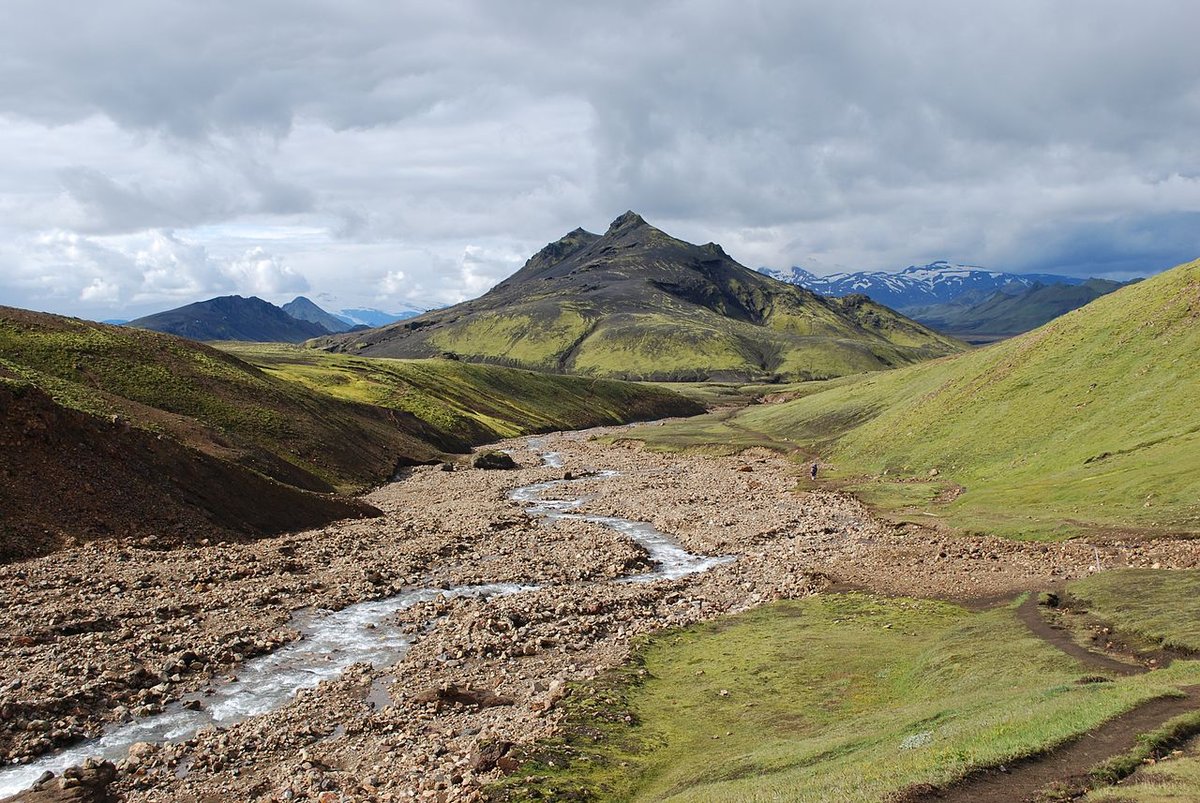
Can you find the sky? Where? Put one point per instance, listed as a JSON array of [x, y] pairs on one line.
[[396, 154]]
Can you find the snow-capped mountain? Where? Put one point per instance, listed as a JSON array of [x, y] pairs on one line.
[[916, 285], [360, 316]]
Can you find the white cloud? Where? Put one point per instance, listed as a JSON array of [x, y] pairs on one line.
[[136, 274], [100, 291], [260, 273], [392, 284]]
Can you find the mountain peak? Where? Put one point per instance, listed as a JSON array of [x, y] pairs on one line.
[[629, 220], [637, 303]]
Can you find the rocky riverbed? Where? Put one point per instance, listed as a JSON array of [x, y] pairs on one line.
[[94, 636]]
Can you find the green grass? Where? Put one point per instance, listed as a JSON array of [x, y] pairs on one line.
[[1089, 421], [711, 394], [477, 402], [1161, 606], [305, 418], [837, 697], [522, 339]]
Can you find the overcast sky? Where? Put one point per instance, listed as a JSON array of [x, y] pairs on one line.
[[376, 153]]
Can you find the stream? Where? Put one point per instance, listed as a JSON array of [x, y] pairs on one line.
[[332, 641]]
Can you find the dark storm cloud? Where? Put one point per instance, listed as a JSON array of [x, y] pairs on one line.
[[438, 144]]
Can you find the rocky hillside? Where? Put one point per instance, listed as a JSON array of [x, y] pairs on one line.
[[636, 303]]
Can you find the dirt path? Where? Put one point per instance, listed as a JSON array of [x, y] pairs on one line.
[[1064, 769], [1029, 613]]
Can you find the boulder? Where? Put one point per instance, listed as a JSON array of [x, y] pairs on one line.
[[88, 783], [488, 755], [461, 695], [494, 460]]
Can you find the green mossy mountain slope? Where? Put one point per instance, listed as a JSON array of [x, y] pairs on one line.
[[1090, 421], [636, 303], [304, 424]]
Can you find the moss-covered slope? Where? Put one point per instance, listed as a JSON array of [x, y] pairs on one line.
[[1090, 420]]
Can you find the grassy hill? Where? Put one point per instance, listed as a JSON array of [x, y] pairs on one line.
[[472, 402], [636, 303], [193, 432], [1090, 421]]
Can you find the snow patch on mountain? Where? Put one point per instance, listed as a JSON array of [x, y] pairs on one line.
[[917, 285]]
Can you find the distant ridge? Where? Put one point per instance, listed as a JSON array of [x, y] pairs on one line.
[[232, 318], [636, 303], [360, 316], [1011, 310]]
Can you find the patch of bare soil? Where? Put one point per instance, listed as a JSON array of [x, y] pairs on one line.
[[67, 477]]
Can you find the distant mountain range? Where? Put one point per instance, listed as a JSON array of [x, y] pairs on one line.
[[1011, 310], [916, 285], [232, 318], [252, 319], [963, 300], [637, 303], [373, 317]]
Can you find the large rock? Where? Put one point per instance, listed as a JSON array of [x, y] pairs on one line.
[[88, 783], [452, 694], [494, 460]]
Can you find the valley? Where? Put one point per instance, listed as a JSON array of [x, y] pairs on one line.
[[312, 590], [121, 434], [630, 403]]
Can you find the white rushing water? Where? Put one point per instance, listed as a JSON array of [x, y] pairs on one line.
[[333, 641], [671, 561]]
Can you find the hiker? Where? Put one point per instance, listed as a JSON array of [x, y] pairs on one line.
[[813, 473]]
